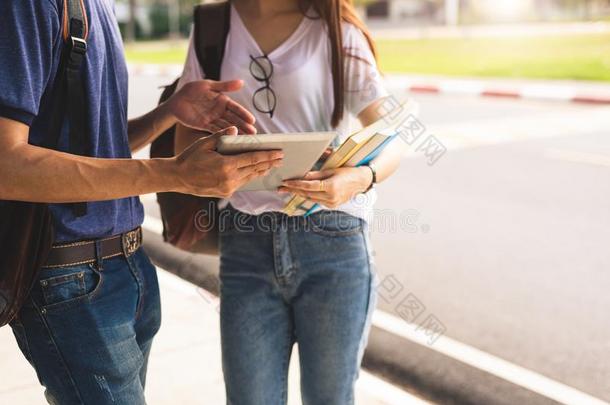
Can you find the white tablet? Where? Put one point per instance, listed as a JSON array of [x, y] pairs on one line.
[[301, 151]]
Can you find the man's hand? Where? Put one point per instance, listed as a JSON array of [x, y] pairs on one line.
[[330, 188], [205, 172], [201, 105]]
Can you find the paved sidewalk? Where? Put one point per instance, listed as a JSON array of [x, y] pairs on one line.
[[185, 365]]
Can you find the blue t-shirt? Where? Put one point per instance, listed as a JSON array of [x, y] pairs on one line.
[[30, 49]]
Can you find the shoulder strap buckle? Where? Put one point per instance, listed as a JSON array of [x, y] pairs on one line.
[[78, 45]]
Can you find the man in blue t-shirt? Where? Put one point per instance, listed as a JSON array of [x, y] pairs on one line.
[[88, 325]]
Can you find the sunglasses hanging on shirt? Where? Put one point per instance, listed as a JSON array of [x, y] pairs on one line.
[[263, 99]]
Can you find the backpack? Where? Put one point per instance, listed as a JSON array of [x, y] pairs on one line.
[[26, 229], [190, 222]]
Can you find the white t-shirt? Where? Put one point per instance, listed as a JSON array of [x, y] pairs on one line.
[[302, 82]]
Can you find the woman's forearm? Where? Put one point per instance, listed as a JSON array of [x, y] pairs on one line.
[[388, 161]]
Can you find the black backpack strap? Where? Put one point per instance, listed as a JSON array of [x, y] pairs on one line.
[[75, 40], [69, 92], [212, 23]]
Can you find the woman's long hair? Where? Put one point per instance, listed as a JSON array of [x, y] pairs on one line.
[[334, 12]]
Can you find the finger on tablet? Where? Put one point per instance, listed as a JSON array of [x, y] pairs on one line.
[[254, 158]]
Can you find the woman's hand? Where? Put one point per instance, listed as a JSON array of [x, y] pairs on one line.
[[201, 105], [331, 188]]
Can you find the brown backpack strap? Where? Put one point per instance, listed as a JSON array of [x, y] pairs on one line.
[[190, 222], [212, 23], [74, 22]]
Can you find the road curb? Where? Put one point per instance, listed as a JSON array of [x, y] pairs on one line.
[[523, 94], [479, 87], [429, 89], [438, 378]]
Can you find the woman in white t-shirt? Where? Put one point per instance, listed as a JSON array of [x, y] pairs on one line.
[[306, 66]]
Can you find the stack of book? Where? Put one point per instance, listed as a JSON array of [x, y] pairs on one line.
[[359, 149]]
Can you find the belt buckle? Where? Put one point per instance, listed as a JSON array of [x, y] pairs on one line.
[[131, 242]]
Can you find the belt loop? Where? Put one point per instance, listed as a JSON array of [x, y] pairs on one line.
[[99, 256]]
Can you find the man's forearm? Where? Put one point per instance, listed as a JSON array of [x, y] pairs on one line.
[[145, 129], [36, 174]]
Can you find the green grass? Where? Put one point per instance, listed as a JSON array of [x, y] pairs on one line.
[[579, 57], [157, 52]]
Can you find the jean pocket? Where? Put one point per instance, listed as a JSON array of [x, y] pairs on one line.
[[67, 286], [335, 224]]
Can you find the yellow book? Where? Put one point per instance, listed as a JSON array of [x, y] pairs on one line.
[[372, 144], [347, 149], [336, 159], [357, 141], [293, 204]]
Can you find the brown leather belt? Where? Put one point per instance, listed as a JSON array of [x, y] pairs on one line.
[[77, 253]]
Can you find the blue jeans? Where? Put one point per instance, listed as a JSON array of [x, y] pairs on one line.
[[87, 331], [294, 279]]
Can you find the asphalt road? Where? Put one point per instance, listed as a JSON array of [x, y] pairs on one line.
[[509, 248], [515, 258]]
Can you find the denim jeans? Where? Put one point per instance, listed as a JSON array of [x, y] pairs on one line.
[[87, 330], [294, 279]]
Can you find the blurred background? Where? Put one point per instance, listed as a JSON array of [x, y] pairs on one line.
[[491, 241], [561, 39]]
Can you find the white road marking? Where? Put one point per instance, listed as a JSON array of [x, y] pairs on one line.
[[594, 159], [489, 363], [461, 86], [545, 92]]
